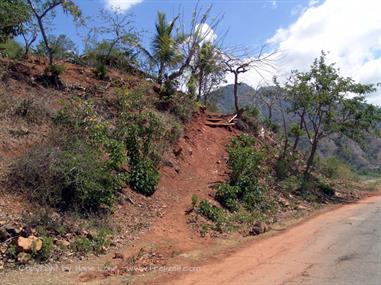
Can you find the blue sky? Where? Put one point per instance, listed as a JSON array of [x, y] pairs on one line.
[[250, 22], [349, 30]]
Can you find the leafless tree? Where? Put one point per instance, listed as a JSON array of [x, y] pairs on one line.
[[29, 33], [201, 28], [242, 63], [120, 29], [268, 99]]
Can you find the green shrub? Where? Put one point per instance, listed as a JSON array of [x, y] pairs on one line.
[[254, 200], [290, 184], [331, 167], [144, 177], [84, 178], [326, 189], [100, 71], [55, 70], [194, 201], [146, 136], [244, 165], [82, 244], [47, 248], [11, 49], [204, 230], [100, 241], [227, 196], [210, 211], [182, 107], [51, 76], [11, 251], [250, 118], [243, 158], [282, 168], [74, 176], [271, 125]]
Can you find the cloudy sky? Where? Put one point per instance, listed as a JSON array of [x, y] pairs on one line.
[[350, 30]]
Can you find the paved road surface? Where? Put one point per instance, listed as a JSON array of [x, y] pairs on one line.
[[341, 247]]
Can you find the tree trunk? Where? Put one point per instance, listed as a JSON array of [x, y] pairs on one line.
[[46, 41], [310, 160], [236, 100], [296, 142], [26, 52], [200, 79], [285, 147], [160, 74]]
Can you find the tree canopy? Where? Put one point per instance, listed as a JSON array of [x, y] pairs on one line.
[[329, 103], [12, 14]]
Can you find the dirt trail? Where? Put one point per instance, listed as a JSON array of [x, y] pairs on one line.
[[199, 164], [337, 247]]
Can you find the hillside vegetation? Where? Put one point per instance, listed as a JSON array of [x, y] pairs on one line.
[[363, 156], [119, 143]]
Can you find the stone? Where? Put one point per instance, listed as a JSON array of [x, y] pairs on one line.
[[4, 235], [25, 232], [29, 244], [23, 257], [118, 255], [13, 230], [259, 228]]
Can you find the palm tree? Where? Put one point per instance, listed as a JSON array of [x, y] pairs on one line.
[[165, 46]]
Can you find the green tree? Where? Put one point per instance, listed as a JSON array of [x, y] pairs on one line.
[[119, 40], [12, 14], [11, 49], [42, 10], [61, 47], [207, 69], [165, 47], [175, 46], [331, 104]]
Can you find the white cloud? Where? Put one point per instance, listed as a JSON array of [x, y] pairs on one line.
[[123, 5], [351, 32], [206, 32], [274, 4]]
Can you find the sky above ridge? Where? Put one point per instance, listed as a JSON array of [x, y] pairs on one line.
[[350, 30]]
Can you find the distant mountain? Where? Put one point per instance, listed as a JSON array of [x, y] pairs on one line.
[[364, 157], [223, 98]]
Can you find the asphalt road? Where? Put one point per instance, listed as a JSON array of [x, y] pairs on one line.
[[339, 247]]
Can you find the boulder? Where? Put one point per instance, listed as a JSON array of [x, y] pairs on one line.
[[13, 230], [4, 235], [25, 232], [259, 228], [29, 244]]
